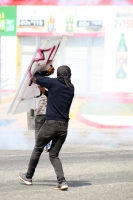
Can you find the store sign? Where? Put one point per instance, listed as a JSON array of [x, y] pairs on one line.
[[56, 20], [29, 22], [89, 24], [118, 59], [8, 21]]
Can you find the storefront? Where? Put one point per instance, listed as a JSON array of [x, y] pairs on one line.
[[8, 48], [84, 51], [95, 30], [99, 52], [99, 49]]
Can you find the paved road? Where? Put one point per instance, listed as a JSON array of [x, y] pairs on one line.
[[92, 172], [98, 164]]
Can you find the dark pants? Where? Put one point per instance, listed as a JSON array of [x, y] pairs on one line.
[[39, 121], [57, 132]]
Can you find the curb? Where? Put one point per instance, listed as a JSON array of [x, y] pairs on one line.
[[98, 125]]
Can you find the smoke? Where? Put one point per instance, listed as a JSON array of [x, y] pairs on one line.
[[14, 133], [5, 122], [109, 112], [13, 136], [107, 138]]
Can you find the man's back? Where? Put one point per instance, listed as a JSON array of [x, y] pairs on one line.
[[59, 100]]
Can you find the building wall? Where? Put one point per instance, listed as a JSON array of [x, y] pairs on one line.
[[94, 35], [8, 48]]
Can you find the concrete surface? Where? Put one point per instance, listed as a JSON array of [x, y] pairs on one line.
[[98, 163], [92, 173]]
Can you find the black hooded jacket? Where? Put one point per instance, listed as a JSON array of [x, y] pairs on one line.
[[59, 97]]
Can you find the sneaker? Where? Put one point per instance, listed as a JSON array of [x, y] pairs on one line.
[[62, 186], [27, 181]]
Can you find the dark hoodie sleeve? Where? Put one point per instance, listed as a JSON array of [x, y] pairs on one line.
[[43, 81], [46, 93], [44, 73]]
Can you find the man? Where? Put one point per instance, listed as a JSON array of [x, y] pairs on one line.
[[40, 113], [60, 96]]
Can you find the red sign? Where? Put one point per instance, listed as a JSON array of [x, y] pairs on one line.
[[60, 34], [66, 2]]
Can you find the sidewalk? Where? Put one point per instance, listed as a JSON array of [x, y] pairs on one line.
[[104, 121], [14, 133], [88, 115]]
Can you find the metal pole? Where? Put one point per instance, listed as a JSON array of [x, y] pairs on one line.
[[0, 71]]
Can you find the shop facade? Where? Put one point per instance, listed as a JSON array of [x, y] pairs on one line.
[[84, 51], [8, 46], [95, 30]]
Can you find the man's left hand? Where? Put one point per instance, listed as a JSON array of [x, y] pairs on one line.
[[42, 89]]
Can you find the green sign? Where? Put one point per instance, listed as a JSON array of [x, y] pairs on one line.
[[8, 21]]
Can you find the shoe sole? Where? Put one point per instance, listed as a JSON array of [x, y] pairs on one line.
[[62, 188], [26, 182], [57, 188]]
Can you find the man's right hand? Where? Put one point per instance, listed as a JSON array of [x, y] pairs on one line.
[[33, 79], [50, 71]]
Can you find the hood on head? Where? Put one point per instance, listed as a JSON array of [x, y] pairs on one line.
[[64, 75], [63, 71]]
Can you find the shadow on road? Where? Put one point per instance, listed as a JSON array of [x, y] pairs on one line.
[[70, 183]]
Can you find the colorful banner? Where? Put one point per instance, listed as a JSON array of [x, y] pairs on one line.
[[118, 65], [51, 21], [8, 21], [66, 2]]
